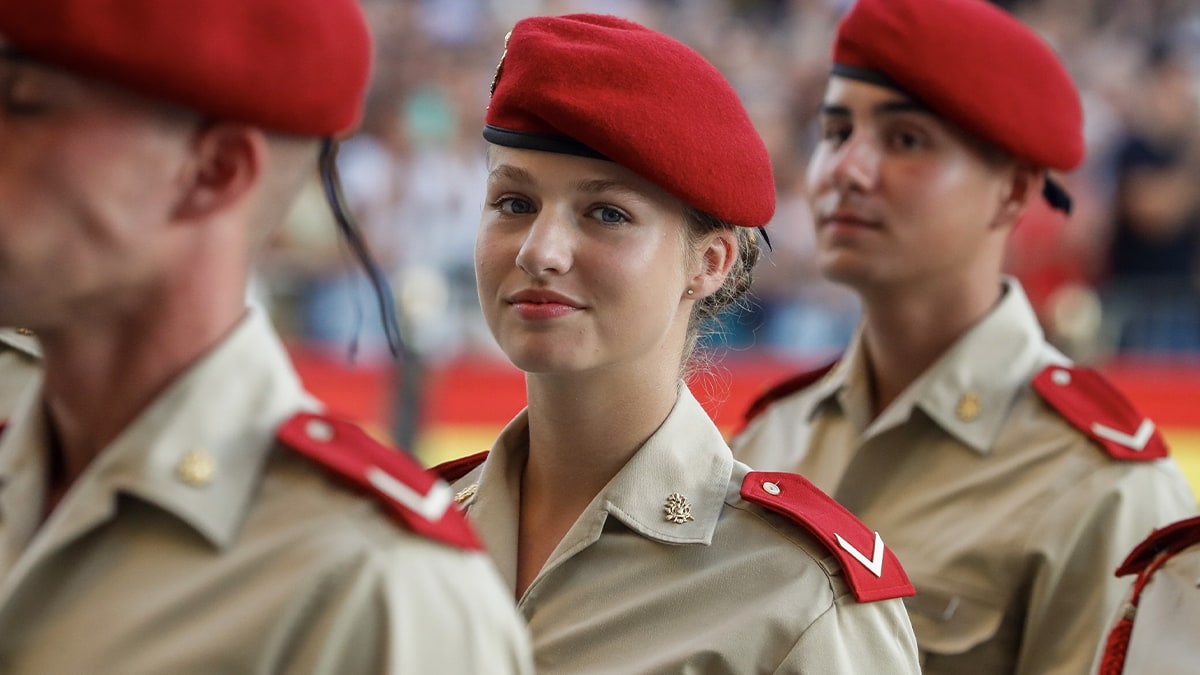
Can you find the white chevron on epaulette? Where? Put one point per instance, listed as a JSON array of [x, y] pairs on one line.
[[875, 563], [431, 506], [1136, 442]]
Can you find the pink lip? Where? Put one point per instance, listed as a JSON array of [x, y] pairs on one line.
[[845, 218], [541, 304]]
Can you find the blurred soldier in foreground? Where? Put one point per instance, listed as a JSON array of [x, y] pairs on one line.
[[173, 501]]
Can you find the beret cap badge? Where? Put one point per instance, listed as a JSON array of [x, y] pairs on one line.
[[496, 76]]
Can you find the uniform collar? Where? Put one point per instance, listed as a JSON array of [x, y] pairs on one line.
[[199, 449], [22, 341], [686, 456], [968, 392]]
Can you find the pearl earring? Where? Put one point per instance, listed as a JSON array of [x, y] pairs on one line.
[[691, 292]]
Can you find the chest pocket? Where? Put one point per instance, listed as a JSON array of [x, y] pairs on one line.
[[959, 631]]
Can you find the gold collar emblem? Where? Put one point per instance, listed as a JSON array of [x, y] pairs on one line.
[[679, 511]]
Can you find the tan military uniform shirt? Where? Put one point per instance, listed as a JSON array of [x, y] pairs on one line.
[[19, 357], [1008, 519], [735, 589], [194, 544]]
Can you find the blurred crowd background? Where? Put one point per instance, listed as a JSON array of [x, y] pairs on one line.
[[1117, 277]]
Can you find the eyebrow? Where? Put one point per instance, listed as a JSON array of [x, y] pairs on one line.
[[509, 172], [590, 185], [598, 185]]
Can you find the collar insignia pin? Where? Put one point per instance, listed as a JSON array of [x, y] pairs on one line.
[[196, 468], [466, 493], [968, 408], [679, 511]]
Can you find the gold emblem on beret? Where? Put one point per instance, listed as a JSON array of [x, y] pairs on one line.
[[196, 468], [496, 77], [679, 511], [968, 408]]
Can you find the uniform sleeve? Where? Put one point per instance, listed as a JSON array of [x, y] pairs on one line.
[[1080, 540], [434, 610], [854, 637]]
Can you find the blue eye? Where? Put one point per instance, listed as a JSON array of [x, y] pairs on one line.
[[609, 215], [515, 206]]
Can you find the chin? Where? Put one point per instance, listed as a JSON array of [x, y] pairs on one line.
[[534, 359], [844, 269]]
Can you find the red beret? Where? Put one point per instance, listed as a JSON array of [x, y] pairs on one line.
[[294, 66], [975, 65], [600, 86]]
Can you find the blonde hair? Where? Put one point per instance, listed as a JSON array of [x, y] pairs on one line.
[[698, 226]]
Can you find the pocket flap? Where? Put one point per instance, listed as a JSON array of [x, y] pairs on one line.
[[951, 621]]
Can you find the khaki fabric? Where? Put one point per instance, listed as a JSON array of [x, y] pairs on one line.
[[1009, 521], [735, 590], [19, 359], [263, 564], [1164, 639]]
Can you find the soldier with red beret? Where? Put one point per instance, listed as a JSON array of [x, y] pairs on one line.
[[171, 499], [625, 185], [1009, 481]]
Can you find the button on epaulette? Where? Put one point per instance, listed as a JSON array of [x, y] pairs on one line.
[[1094, 406], [872, 570], [413, 496]]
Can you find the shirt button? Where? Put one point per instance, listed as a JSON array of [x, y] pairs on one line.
[[771, 488], [1061, 377]]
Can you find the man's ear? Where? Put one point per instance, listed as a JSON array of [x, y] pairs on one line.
[[1025, 185], [226, 163], [716, 259]]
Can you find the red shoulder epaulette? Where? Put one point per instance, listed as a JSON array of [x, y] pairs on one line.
[[457, 468], [1170, 539], [412, 495], [785, 388], [877, 576], [1094, 406]]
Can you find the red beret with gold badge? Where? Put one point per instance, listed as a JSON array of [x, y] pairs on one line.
[[294, 66], [973, 64], [604, 87]]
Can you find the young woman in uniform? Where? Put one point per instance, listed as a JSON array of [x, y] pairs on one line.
[[625, 185]]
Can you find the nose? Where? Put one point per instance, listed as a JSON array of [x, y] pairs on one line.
[[547, 248], [855, 166]]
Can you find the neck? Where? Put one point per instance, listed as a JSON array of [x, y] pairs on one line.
[[583, 428], [906, 332], [103, 370]]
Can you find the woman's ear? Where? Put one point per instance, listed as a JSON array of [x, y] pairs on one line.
[[715, 260], [226, 164], [1025, 184]]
